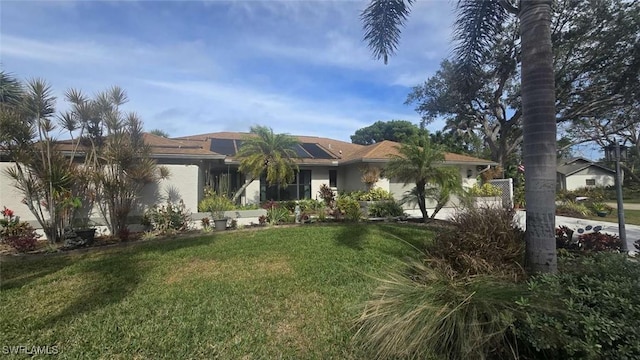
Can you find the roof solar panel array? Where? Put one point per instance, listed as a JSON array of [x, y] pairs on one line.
[[229, 147], [223, 146], [316, 151]]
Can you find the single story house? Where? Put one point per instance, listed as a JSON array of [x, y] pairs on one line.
[[579, 173], [208, 160]]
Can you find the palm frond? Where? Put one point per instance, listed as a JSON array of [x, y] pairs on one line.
[[477, 23], [383, 20]]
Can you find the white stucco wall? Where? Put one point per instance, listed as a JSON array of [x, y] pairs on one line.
[[579, 179], [10, 196], [252, 193], [320, 176], [183, 183]]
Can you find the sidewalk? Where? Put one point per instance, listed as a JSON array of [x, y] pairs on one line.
[[627, 206]]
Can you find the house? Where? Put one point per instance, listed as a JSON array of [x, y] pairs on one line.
[[579, 172], [198, 161]]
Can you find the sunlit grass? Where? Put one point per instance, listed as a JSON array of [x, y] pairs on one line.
[[275, 293]]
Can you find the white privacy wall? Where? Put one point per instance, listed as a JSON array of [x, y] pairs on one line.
[[183, 183], [10, 196]]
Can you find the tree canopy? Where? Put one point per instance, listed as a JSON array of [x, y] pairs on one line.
[[264, 152], [394, 130]]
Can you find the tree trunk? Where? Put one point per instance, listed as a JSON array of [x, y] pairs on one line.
[[238, 193], [539, 134], [420, 191]]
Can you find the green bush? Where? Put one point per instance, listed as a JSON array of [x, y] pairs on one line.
[[216, 205], [169, 217], [424, 313], [484, 190], [374, 194], [573, 209], [589, 310], [349, 208], [482, 241], [386, 209], [595, 194]]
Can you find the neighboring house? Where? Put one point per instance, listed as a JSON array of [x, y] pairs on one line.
[[198, 161], [579, 173]]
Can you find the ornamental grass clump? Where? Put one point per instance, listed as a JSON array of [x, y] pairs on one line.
[[482, 241], [459, 301], [429, 312]]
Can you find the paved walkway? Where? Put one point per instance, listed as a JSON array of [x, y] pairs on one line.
[[627, 206]]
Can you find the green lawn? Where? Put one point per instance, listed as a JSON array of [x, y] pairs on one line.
[[274, 293], [631, 217]]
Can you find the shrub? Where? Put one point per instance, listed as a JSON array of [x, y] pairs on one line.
[[597, 241], [601, 207], [374, 194], [215, 204], [169, 217], [573, 209], [424, 313], [589, 310], [275, 212], [349, 208], [482, 241], [484, 190], [327, 195], [595, 194], [18, 234], [386, 209]]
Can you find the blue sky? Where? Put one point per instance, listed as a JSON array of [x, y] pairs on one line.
[[193, 67]]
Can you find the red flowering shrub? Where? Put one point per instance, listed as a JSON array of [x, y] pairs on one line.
[[19, 235], [598, 241]]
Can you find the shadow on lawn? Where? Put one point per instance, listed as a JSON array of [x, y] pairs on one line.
[[18, 273], [353, 235], [110, 277]]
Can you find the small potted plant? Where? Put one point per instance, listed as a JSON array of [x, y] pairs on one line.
[[601, 209], [216, 205]]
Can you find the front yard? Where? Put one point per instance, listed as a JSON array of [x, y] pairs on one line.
[[274, 293]]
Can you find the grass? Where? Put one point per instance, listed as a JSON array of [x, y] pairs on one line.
[[275, 293], [631, 217]]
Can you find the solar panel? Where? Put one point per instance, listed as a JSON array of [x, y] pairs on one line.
[[316, 151], [223, 146], [239, 144], [301, 152]]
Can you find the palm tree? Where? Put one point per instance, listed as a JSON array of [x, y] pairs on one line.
[[417, 164], [269, 153], [477, 24]]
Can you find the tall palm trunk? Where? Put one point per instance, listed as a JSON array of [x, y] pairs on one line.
[[539, 129]]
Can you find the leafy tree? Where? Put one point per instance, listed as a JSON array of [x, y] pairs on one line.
[[159, 132], [420, 163], [394, 130], [265, 152], [593, 84], [477, 26]]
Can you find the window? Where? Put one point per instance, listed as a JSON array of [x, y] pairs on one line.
[[300, 188], [333, 178], [591, 182]]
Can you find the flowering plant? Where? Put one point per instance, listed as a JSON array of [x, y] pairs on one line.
[[19, 235]]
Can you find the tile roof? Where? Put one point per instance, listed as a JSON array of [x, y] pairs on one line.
[[341, 152]]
